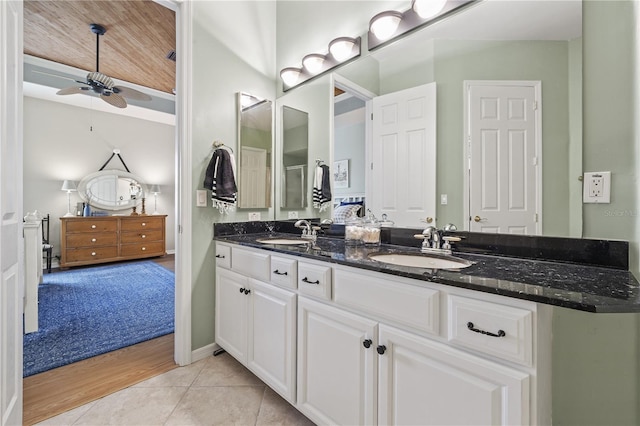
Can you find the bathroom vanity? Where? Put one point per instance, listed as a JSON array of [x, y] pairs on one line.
[[349, 340]]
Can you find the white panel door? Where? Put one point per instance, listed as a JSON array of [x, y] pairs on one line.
[[232, 301], [272, 333], [503, 153], [403, 183], [422, 382], [11, 256], [336, 372]]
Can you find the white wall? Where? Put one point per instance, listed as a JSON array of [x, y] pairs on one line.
[[59, 144]]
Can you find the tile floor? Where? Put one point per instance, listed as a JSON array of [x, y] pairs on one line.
[[213, 391]]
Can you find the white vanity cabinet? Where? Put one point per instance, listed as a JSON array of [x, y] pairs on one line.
[[372, 348], [256, 323]]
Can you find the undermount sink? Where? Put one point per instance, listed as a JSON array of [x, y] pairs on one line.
[[282, 241], [417, 260]]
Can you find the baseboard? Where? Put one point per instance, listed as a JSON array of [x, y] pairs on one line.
[[171, 251], [204, 352]]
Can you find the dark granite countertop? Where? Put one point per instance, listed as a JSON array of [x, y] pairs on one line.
[[578, 286]]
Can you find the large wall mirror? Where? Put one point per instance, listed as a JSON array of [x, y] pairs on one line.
[[529, 41], [112, 190], [255, 134], [295, 159]]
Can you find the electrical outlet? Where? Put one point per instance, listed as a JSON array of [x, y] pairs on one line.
[[253, 216], [293, 215], [597, 187]]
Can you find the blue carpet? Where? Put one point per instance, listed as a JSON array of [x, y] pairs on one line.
[[91, 311]]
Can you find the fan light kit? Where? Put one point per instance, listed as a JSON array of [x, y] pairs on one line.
[[102, 84]]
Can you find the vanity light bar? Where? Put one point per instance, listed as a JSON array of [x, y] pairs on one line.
[[387, 26], [341, 51]]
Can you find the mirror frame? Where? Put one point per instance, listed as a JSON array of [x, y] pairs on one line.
[[84, 184]]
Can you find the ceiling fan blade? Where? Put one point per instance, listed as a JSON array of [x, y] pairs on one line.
[[71, 90], [128, 92], [114, 99]]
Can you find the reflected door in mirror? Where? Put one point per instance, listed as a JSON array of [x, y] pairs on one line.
[[295, 158]]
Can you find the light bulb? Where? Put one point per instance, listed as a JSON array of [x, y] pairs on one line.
[[341, 48], [428, 8], [290, 75], [385, 24]]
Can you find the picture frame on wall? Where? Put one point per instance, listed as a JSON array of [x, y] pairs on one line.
[[341, 174]]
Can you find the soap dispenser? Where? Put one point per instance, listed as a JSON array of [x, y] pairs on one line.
[[87, 210]]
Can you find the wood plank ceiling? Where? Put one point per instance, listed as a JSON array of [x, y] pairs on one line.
[[140, 34]]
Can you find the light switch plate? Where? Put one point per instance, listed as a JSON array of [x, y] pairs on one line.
[[596, 187], [293, 215], [253, 216], [201, 198]]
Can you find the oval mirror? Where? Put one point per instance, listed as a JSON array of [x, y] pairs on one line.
[[112, 190]]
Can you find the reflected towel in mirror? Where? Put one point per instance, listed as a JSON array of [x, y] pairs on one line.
[[322, 187]]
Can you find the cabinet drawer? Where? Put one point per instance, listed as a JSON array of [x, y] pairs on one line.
[[255, 265], [399, 302], [91, 240], [223, 256], [314, 280], [91, 225], [152, 248], [141, 236], [142, 223], [91, 254], [502, 331], [284, 272]]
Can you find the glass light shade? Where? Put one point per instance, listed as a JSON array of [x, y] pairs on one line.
[[341, 48], [69, 185], [313, 62], [427, 8], [385, 24], [290, 75], [155, 189]]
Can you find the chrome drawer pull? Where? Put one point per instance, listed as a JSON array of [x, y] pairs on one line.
[[501, 333], [277, 272], [306, 280]]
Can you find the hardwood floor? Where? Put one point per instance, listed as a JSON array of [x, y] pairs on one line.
[[55, 391]]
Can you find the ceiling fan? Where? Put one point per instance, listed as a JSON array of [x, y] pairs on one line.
[[102, 84]]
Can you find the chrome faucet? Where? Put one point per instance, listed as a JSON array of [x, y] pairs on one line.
[[432, 240], [308, 232]]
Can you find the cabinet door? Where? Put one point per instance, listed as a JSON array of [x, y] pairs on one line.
[[428, 383], [231, 313], [272, 333], [336, 373]]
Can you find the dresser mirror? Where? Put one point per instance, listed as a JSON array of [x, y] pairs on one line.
[[255, 142], [112, 190], [295, 159], [524, 41]]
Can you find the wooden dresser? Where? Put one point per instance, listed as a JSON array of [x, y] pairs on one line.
[[101, 239]]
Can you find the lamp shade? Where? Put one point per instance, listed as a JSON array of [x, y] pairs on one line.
[[290, 75], [385, 24], [428, 8], [69, 185], [313, 62], [341, 48], [155, 189]]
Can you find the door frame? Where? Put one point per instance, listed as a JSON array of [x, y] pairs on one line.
[[466, 142]]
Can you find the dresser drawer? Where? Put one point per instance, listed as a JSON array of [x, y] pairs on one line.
[[399, 302], [314, 280], [502, 331], [223, 256], [141, 236], [91, 254], [92, 239], [141, 223], [152, 248], [91, 225], [284, 272], [255, 265]]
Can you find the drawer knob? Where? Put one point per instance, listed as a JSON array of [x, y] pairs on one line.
[[93, 253], [471, 327], [381, 349], [277, 272], [367, 343], [144, 248], [144, 224], [143, 236], [306, 280], [242, 290], [93, 240], [247, 291], [220, 256], [93, 227]]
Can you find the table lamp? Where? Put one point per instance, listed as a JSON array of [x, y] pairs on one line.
[[155, 190], [69, 186]]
